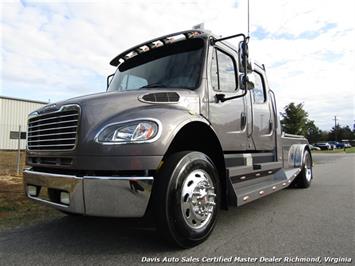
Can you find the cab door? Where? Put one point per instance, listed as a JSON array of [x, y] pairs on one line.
[[227, 118], [263, 118]]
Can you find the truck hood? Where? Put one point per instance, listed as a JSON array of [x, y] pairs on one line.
[[112, 103], [98, 110]]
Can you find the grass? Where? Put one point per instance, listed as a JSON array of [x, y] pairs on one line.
[[8, 162], [347, 150], [15, 208]]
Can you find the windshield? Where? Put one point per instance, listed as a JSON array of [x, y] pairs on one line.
[[176, 65]]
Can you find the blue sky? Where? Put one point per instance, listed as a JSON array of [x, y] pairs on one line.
[[57, 50]]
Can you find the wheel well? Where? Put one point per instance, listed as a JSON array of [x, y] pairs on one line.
[[198, 136], [310, 153]]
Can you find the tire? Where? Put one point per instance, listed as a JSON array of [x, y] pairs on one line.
[[71, 214], [186, 198], [304, 178]]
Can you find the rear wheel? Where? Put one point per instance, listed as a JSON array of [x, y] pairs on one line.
[[186, 198], [304, 178]]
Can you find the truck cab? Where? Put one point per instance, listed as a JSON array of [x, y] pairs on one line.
[[187, 126]]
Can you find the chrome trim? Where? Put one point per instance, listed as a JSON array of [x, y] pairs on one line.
[[35, 114], [29, 171], [197, 199], [53, 134], [292, 136], [259, 190], [48, 129], [51, 118], [119, 177], [109, 196], [53, 123], [157, 136], [49, 140], [69, 183], [49, 145], [48, 202]]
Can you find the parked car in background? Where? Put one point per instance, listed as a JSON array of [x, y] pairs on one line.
[[338, 145], [323, 145], [346, 143], [314, 148]]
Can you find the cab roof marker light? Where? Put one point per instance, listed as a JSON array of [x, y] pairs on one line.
[[193, 34], [143, 49], [130, 55], [177, 38], [168, 40], [156, 44]]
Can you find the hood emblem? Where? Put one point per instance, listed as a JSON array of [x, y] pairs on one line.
[[48, 108]]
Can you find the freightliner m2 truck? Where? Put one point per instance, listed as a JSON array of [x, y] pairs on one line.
[[188, 126]]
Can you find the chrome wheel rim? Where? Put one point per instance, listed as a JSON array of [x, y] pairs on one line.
[[308, 167], [198, 199]]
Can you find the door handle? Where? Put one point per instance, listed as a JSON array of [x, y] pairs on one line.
[[243, 120], [270, 126], [220, 98]]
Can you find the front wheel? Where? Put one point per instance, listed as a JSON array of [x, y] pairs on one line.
[[186, 198]]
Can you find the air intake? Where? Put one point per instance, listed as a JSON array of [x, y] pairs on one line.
[[161, 97]]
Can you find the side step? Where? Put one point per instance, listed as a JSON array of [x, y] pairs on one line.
[[255, 181], [258, 190]]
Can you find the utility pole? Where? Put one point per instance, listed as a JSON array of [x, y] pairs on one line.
[[335, 127], [335, 121], [18, 157]]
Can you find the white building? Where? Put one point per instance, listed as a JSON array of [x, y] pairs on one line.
[[13, 114]]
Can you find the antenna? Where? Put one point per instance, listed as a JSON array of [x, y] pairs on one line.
[[248, 20]]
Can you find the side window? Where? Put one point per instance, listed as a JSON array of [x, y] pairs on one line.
[[214, 72], [131, 82], [259, 89], [223, 72]]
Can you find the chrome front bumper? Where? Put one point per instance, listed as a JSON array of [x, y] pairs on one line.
[[108, 196]]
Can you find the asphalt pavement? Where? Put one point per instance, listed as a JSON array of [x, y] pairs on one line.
[[292, 223]]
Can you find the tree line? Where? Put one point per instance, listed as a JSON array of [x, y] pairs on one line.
[[295, 121]]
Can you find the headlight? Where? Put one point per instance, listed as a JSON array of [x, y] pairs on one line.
[[129, 132]]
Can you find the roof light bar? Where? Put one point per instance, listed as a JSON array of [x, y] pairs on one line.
[[155, 43]]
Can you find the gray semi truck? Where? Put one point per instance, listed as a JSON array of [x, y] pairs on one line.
[[187, 126]]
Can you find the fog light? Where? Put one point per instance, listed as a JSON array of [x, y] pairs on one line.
[[32, 191], [64, 198]]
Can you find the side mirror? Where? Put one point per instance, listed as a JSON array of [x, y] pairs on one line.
[[109, 79], [243, 53], [247, 82]]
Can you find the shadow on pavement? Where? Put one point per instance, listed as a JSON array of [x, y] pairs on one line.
[[85, 235]]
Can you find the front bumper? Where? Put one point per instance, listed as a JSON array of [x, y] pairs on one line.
[[109, 196]]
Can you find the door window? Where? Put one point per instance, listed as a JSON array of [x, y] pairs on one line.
[[259, 89], [223, 71]]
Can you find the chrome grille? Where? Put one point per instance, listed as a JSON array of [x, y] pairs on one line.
[[55, 130]]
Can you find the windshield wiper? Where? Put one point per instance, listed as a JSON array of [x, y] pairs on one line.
[[154, 85]]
